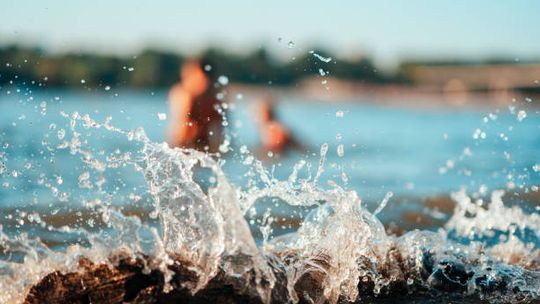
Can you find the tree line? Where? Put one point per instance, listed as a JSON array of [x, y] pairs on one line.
[[157, 68]]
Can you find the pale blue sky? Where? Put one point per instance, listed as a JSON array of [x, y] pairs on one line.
[[386, 30]]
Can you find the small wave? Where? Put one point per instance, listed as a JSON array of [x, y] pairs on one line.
[[340, 249]]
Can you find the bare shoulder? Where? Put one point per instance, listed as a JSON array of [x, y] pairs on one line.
[[177, 92]]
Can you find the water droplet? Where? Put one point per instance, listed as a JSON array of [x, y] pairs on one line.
[[223, 80], [290, 44], [324, 149], [224, 147], [61, 134], [162, 116], [479, 134], [249, 160], [521, 115], [340, 150], [344, 177], [321, 58], [64, 196]]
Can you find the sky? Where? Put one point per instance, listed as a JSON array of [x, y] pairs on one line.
[[388, 31]]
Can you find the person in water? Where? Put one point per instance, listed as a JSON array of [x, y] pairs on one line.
[[195, 120], [275, 137]]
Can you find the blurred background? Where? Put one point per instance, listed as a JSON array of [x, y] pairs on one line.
[[416, 98]]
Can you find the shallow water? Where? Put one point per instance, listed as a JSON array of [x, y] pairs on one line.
[[414, 152], [74, 164]]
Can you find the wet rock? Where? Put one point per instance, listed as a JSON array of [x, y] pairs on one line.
[[129, 281], [490, 284], [450, 276]]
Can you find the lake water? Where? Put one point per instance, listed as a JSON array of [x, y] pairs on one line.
[[408, 151], [70, 160]]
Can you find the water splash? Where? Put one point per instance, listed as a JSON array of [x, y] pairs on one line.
[[340, 246]]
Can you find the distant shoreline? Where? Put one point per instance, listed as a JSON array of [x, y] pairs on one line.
[[339, 91], [336, 91]]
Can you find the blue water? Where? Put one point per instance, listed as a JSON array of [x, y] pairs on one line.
[[400, 149]]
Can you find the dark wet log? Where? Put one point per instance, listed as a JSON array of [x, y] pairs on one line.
[[128, 282]]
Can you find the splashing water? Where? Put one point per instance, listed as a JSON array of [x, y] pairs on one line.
[[340, 246]]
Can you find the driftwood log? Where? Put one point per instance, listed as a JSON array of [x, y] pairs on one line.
[[127, 282]]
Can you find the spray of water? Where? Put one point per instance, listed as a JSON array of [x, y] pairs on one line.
[[340, 246]]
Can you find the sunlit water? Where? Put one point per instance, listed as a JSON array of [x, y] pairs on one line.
[[73, 165]]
